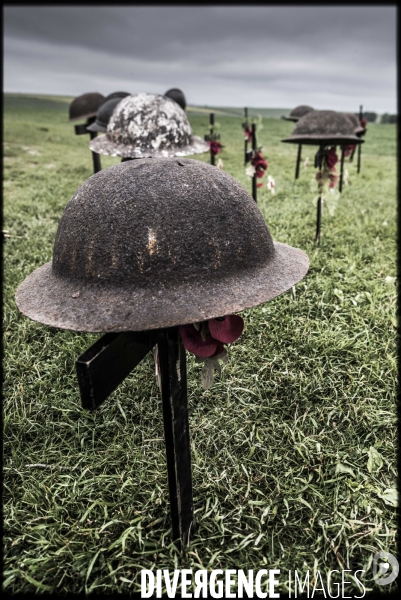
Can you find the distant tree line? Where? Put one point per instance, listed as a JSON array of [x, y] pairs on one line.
[[372, 117], [369, 116], [386, 118]]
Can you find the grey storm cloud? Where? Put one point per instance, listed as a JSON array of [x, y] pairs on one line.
[[222, 55]]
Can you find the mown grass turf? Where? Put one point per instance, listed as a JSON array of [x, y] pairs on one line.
[[293, 448]]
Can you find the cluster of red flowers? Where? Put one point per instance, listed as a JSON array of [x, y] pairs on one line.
[[329, 169], [260, 165], [207, 339], [215, 147], [363, 122], [248, 133]]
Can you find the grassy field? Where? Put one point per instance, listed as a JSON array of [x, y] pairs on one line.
[[293, 448]]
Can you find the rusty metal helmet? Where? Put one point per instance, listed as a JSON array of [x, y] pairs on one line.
[[298, 112], [148, 125], [104, 113], [154, 243], [177, 95], [85, 106], [323, 127]]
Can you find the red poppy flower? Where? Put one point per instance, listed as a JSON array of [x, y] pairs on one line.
[[215, 147], [193, 342], [331, 158], [226, 329], [260, 164], [248, 133], [364, 122], [219, 349]]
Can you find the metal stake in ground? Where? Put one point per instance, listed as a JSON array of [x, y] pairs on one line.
[[254, 184], [245, 124], [320, 159], [340, 184], [173, 373], [81, 130], [211, 122], [107, 363], [298, 161], [359, 146]]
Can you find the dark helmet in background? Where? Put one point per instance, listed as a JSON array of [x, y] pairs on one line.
[[85, 106], [178, 96]]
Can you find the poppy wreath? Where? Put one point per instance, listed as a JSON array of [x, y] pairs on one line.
[[215, 147], [260, 165], [206, 341], [328, 173]]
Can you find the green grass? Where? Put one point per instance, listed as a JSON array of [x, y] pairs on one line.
[[293, 448]]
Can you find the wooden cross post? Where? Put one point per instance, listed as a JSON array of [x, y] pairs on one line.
[[319, 200], [108, 362], [211, 123], [246, 139], [82, 129], [340, 184], [173, 373], [254, 184], [360, 145], [298, 161]]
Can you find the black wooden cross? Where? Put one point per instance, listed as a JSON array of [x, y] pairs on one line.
[[212, 137], [248, 158], [298, 161], [108, 362], [254, 182], [360, 145], [81, 130], [319, 158], [340, 183], [245, 126]]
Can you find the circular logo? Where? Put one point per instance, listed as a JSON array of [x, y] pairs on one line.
[[380, 569]]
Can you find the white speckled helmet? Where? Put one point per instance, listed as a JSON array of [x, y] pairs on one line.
[[148, 125]]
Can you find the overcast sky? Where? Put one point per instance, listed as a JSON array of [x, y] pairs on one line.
[[330, 57]]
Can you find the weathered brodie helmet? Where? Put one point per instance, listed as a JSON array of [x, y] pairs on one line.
[[104, 113], [146, 125], [323, 127], [298, 112], [85, 106], [157, 243], [178, 96]]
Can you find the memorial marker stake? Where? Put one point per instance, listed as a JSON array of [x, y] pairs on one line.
[[340, 185], [108, 362], [298, 161], [81, 130], [246, 138], [359, 145], [254, 184], [211, 122], [320, 155]]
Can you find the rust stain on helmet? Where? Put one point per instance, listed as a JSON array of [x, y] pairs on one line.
[[155, 243]]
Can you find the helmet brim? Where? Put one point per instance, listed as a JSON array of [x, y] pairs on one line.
[[316, 140], [93, 307], [97, 127], [103, 145]]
